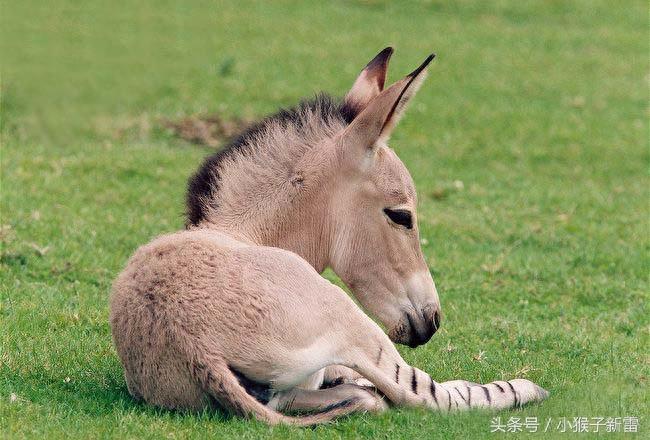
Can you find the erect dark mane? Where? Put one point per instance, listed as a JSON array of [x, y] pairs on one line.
[[205, 182]]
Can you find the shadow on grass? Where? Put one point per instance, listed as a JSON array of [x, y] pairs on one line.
[[94, 395]]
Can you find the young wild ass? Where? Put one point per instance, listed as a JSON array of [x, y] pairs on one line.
[[233, 310]]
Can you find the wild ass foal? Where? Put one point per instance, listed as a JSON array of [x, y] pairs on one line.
[[233, 310]]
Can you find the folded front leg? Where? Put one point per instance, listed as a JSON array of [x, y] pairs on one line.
[[496, 395], [377, 360], [407, 385]]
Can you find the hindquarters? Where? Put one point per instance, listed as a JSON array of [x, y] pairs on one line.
[[159, 310], [196, 298], [155, 369]]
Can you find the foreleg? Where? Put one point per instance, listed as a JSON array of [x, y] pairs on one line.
[[377, 360]]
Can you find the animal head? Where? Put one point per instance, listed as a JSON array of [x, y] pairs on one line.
[[321, 181], [376, 247]]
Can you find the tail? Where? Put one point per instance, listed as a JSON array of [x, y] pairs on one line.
[[221, 383]]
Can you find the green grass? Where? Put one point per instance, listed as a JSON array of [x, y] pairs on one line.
[[540, 109]]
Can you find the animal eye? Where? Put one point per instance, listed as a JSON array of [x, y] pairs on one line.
[[400, 216]]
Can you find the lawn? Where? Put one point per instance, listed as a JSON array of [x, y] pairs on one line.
[[528, 144]]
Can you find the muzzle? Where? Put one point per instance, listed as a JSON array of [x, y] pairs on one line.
[[416, 327]]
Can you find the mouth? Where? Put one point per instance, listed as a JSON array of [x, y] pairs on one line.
[[415, 329]]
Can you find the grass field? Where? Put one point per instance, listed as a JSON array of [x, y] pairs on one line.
[[528, 144]]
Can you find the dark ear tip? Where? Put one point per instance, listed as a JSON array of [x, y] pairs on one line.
[[381, 59], [426, 62]]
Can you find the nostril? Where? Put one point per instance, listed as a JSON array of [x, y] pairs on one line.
[[436, 320]]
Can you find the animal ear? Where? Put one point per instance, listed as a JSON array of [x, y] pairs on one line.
[[369, 83], [377, 120]]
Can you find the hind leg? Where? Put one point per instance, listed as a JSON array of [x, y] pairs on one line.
[[301, 400], [338, 374]]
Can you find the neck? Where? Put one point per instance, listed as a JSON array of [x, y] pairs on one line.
[[273, 185], [306, 235], [292, 214]]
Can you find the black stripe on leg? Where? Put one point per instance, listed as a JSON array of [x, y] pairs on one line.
[[461, 396], [432, 388], [414, 381], [514, 393], [449, 394], [341, 404], [381, 349], [397, 373], [487, 394], [469, 397], [289, 405]]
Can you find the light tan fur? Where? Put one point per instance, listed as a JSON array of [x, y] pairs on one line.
[[241, 293]]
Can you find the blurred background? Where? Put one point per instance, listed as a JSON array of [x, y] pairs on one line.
[[73, 69]]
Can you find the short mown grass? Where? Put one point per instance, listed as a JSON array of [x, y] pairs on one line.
[[528, 144]]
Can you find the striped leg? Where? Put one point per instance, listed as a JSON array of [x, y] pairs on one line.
[[495, 395], [406, 385]]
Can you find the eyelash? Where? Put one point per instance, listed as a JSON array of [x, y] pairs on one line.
[[400, 217]]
